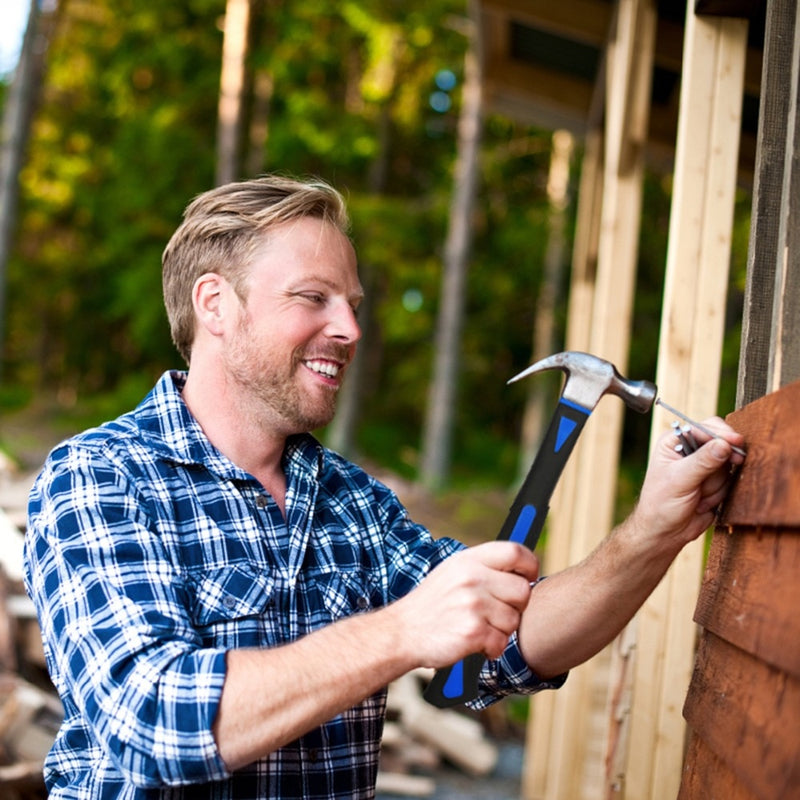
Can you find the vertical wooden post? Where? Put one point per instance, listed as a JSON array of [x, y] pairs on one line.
[[769, 326], [688, 375], [579, 314], [568, 772]]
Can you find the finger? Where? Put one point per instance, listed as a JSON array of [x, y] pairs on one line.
[[508, 557]]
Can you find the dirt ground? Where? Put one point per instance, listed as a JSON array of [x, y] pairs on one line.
[[504, 783]]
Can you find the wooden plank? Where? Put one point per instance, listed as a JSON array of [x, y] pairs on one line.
[[747, 9], [704, 772], [629, 67], [746, 712], [556, 556], [767, 491], [579, 20], [688, 375], [560, 93], [765, 250], [750, 596], [784, 364]]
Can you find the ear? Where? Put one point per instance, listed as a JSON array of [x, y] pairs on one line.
[[208, 295]]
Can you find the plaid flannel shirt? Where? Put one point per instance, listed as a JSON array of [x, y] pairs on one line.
[[149, 555]]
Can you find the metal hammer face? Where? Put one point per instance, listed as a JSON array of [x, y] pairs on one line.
[[590, 377]]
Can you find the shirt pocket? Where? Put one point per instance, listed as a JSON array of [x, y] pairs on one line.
[[341, 594], [230, 594]]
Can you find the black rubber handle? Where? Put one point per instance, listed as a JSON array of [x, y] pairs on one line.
[[458, 683]]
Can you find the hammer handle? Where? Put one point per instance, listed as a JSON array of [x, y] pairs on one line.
[[524, 523]]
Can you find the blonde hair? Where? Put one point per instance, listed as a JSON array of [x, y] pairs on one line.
[[222, 227]]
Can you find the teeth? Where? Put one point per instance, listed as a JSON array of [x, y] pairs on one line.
[[323, 368]]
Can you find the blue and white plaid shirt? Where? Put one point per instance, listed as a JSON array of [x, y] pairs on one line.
[[149, 555]]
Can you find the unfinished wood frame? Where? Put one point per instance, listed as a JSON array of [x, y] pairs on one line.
[[557, 764], [689, 361]]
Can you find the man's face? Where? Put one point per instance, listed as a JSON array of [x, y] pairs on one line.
[[297, 332]]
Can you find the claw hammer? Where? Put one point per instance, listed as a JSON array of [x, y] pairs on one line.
[[588, 379]]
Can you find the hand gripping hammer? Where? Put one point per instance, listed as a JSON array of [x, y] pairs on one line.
[[588, 379]]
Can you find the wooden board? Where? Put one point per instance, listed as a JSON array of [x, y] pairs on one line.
[[743, 704], [747, 712], [769, 209], [689, 357], [703, 769], [750, 595], [767, 491]]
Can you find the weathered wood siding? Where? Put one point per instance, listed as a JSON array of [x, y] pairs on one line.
[[743, 704]]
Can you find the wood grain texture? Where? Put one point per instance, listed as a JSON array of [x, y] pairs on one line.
[[750, 595], [747, 713], [767, 489], [703, 770]]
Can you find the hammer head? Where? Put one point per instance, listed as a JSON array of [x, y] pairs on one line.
[[590, 377]]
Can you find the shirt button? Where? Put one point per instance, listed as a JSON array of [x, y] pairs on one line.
[[362, 603], [313, 755], [262, 501], [229, 602]]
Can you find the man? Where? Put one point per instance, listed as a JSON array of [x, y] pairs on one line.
[[223, 600]]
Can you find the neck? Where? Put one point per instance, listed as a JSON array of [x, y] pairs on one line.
[[236, 431]]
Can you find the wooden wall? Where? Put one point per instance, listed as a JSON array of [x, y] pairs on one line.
[[743, 704]]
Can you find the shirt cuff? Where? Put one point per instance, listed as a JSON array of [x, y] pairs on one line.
[[510, 675]]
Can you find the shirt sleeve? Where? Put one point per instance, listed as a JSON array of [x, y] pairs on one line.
[[120, 646], [510, 675]]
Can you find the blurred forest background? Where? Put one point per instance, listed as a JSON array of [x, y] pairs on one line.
[[125, 129]]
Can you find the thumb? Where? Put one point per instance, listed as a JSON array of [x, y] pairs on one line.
[[719, 450]]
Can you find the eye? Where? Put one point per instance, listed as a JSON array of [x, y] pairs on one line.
[[313, 297]]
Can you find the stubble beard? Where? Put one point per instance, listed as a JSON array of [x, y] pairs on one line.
[[276, 399]]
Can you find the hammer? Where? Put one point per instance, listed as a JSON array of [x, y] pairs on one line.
[[588, 379]]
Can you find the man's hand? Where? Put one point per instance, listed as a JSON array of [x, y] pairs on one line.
[[577, 612], [680, 494], [471, 603]]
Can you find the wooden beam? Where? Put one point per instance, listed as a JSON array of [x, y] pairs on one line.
[[549, 89], [557, 554], [559, 763], [587, 22], [579, 20], [688, 373], [784, 356], [768, 354], [744, 9]]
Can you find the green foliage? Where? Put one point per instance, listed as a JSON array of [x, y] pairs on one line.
[[125, 136]]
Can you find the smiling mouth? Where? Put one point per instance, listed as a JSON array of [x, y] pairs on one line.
[[328, 369]]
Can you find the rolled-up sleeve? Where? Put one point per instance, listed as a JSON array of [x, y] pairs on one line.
[[510, 675], [115, 623]]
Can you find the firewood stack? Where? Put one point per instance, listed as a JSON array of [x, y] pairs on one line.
[[30, 711], [417, 737]]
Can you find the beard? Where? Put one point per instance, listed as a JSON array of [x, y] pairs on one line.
[[276, 396]]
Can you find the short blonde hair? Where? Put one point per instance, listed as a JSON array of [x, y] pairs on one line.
[[222, 227]]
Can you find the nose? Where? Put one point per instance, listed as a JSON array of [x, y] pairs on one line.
[[344, 324]]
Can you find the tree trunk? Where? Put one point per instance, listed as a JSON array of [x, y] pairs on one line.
[[342, 432], [18, 111], [232, 89], [439, 421]]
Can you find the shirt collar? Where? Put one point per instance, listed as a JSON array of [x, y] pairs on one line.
[[167, 425]]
